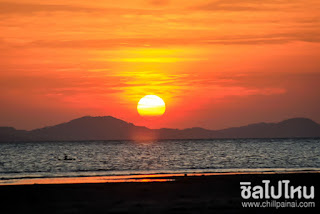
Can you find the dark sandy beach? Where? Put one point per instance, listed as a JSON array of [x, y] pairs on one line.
[[190, 194]]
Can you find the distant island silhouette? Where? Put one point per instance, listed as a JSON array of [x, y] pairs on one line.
[[110, 128]]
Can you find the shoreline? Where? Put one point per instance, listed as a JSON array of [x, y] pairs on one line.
[[152, 177], [219, 193]]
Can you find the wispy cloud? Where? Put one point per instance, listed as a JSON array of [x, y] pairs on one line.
[[159, 2], [249, 39], [27, 8], [245, 5], [7, 8]]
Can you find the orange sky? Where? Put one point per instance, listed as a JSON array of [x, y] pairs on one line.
[[215, 63]]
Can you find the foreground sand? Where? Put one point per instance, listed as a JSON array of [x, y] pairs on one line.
[[191, 194]]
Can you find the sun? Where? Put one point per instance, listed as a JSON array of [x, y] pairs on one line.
[[151, 106]]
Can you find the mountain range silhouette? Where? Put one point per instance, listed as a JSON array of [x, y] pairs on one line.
[[110, 128]]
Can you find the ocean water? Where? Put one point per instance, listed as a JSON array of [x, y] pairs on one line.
[[103, 158]]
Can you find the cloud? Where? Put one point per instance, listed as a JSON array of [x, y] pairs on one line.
[[159, 2], [274, 38], [244, 5], [27, 8], [7, 8]]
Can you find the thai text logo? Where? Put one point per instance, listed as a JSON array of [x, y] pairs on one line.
[[283, 189]]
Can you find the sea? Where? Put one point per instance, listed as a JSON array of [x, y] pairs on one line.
[[34, 160]]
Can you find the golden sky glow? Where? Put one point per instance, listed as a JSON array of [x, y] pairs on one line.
[[215, 63]]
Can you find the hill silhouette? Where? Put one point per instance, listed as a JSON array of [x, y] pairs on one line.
[[110, 128]]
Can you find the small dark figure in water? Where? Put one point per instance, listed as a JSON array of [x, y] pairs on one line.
[[66, 158]]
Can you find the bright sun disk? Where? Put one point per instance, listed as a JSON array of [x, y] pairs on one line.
[[151, 106]]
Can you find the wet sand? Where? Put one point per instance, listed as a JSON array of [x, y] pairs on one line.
[[183, 194]]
